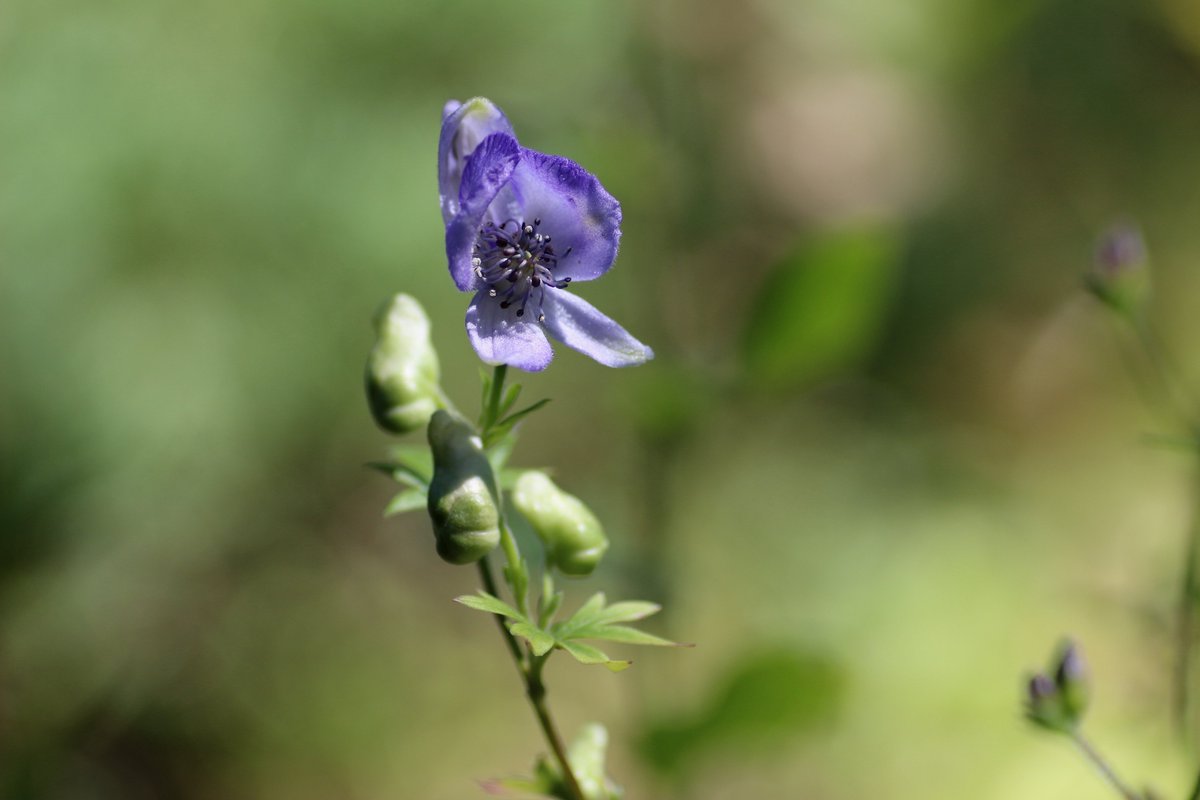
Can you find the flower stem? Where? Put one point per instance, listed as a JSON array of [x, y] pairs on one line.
[[491, 410], [535, 688], [528, 665], [1103, 766]]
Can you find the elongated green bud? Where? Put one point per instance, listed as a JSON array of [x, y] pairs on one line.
[[573, 537], [462, 494], [402, 370]]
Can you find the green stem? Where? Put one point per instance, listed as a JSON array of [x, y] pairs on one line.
[[489, 585], [519, 585], [1175, 396], [1103, 766], [535, 688], [1195, 795], [491, 411], [528, 666]]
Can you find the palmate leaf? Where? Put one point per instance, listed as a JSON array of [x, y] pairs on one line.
[[595, 620]]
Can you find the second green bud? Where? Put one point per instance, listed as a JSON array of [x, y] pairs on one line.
[[573, 537], [462, 494]]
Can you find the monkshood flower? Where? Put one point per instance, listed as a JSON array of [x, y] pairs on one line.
[[522, 226]]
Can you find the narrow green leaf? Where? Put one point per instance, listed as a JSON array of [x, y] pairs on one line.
[[628, 611], [408, 500], [401, 473], [485, 382], [586, 654], [510, 398], [549, 601], [518, 581], [539, 641], [624, 635], [513, 419], [589, 612], [418, 459], [493, 605]]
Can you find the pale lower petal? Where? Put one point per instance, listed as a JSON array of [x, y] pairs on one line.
[[580, 326], [499, 336]]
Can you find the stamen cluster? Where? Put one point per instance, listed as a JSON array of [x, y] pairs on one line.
[[515, 261]]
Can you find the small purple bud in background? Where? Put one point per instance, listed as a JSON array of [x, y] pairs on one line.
[[1070, 677], [1120, 249], [1120, 275], [1040, 690], [1043, 704]]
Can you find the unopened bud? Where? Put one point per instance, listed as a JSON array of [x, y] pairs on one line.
[[462, 494], [1120, 275], [402, 370], [1070, 677], [573, 537], [1043, 703]]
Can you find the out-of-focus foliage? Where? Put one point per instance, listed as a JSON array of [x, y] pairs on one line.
[[203, 204], [821, 309], [767, 698]]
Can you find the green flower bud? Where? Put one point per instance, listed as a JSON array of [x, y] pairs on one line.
[[462, 494], [571, 534], [402, 370]]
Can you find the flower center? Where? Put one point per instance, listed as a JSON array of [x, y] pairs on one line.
[[517, 263]]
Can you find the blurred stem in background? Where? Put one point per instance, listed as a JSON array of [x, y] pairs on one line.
[[1057, 700], [1105, 769], [1120, 279]]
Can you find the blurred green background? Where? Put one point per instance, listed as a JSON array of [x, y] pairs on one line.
[[887, 453]]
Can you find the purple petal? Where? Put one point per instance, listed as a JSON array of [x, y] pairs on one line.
[[577, 324], [575, 210], [487, 171], [499, 336], [464, 126]]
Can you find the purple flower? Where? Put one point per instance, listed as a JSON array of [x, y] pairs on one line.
[[521, 226]]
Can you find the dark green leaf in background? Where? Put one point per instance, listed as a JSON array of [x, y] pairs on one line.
[[822, 307]]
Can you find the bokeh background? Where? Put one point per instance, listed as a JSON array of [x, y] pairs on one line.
[[888, 453]]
